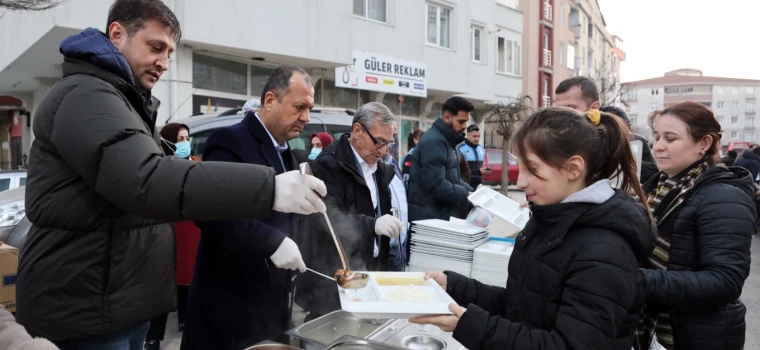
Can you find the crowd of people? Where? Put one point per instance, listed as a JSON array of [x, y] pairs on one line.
[[659, 259]]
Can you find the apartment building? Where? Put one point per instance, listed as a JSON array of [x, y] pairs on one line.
[[538, 34], [580, 46], [732, 100], [472, 48]]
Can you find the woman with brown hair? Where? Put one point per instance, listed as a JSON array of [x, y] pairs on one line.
[[574, 271], [705, 218], [175, 141]]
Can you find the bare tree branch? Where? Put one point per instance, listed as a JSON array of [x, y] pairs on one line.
[[507, 117], [611, 91], [29, 5]]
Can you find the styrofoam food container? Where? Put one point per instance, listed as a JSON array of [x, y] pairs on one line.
[[501, 206], [374, 306]]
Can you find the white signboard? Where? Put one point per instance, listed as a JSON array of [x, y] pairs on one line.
[[383, 73]]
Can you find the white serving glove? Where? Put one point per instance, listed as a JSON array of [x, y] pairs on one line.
[[297, 193], [388, 225], [288, 256]]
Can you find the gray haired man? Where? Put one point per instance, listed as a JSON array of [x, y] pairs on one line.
[[359, 204]]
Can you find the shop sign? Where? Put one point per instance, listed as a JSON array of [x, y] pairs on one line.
[[375, 72]]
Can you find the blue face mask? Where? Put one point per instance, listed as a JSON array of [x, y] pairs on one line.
[[181, 149], [314, 153]]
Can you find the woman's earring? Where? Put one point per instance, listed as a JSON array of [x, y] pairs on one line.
[[703, 152]]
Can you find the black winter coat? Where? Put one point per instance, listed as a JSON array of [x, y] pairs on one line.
[[749, 160], [572, 281], [710, 237], [101, 196], [436, 188], [237, 297], [349, 206]]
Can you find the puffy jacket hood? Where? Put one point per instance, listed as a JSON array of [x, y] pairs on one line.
[[748, 154], [620, 213], [93, 46], [734, 176]]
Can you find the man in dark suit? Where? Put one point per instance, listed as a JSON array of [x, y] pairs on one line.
[[240, 290], [358, 202]]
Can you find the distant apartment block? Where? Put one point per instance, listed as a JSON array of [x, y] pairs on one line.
[[732, 100]]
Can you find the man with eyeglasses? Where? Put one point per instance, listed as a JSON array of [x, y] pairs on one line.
[[436, 189], [359, 205]]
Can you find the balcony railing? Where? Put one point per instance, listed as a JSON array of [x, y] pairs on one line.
[[546, 101], [547, 59], [752, 112], [548, 12], [751, 98]]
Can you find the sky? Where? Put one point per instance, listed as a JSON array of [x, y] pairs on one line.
[[720, 38]]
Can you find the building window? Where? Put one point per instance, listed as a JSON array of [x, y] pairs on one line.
[[571, 56], [734, 90], [749, 121], [719, 90], [327, 94], [562, 14], [211, 73], [376, 10], [633, 94], [720, 119], [508, 56], [258, 78], [733, 135], [655, 91], [476, 43], [735, 104], [515, 4], [750, 107], [438, 26], [734, 120], [410, 107], [561, 54], [653, 107], [750, 90], [546, 101], [720, 104], [749, 136]]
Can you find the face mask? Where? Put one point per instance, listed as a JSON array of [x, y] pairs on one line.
[[314, 153], [181, 149]]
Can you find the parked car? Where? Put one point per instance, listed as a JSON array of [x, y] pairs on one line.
[[14, 225], [334, 121], [10, 179], [493, 160]]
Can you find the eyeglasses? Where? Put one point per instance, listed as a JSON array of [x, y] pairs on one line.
[[378, 143]]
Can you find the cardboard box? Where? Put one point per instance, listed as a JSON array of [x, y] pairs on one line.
[[8, 275]]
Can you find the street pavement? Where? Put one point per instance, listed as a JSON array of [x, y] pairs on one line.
[[750, 294]]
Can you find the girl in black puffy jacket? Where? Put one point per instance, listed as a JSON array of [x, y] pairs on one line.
[[705, 218], [574, 272]]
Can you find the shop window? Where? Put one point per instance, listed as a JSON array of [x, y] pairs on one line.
[[258, 77], [211, 73], [327, 94], [410, 107]]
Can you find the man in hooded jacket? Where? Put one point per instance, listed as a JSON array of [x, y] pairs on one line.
[[99, 260]]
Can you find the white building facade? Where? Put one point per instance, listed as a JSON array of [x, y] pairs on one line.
[[733, 101], [228, 49]]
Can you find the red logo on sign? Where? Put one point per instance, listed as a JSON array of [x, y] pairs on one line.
[[371, 80]]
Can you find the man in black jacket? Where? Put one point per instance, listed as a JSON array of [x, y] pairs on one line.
[[99, 260], [436, 189], [359, 204], [581, 93]]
